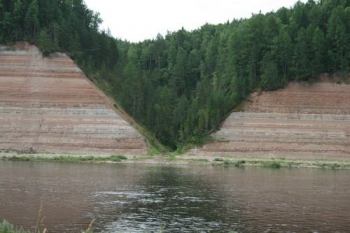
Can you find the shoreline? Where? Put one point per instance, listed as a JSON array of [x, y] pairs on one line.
[[172, 159]]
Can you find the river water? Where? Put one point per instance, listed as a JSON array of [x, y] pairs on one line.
[[154, 198]]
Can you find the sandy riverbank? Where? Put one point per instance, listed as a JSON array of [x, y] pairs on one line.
[[172, 159]]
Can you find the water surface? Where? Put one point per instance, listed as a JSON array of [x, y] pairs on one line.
[[150, 198]]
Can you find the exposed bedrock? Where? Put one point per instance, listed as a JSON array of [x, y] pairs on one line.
[[302, 121], [47, 105]]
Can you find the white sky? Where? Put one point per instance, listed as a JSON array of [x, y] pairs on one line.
[[136, 20]]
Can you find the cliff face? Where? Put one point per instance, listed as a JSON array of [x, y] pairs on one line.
[[47, 105], [302, 121]]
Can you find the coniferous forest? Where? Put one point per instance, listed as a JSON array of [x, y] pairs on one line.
[[182, 85]]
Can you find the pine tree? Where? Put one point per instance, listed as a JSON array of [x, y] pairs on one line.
[[270, 79], [283, 51], [179, 72], [338, 39], [301, 59], [18, 14], [45, 43], [318, 45], [32, 20]]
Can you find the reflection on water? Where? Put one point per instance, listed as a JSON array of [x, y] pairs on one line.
[[144, 198], [171, 199]]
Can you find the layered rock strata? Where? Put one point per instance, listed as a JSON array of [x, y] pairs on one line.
[[302, 121], [47, 105]]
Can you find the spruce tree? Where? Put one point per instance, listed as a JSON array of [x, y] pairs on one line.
[[32, 20]]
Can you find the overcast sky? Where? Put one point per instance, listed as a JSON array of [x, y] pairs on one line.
[[136, 20]]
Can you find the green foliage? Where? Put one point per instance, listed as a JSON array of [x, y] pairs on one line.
[[116, 158], [113, 158], [6, 227], [238, 164], [45, 43], [67, 158], [318, 50], [32, 19], [272, 164], [180, 87], [206, 73], [270, 79], [218, 160]]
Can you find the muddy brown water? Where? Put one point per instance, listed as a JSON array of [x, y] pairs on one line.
[[154, 198]]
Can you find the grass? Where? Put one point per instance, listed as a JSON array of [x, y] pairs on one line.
[[6, 227], [174, 157], [218, 160], [238, 163], [281, 163], [332, 166], [67, 158], [16, 158], [272, 164]]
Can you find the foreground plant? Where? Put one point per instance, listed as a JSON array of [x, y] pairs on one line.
[[6, 227]]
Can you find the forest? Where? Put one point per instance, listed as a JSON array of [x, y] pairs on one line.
[[182, 85]]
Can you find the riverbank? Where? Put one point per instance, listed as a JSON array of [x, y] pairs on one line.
[[6, 227], [174, 159]]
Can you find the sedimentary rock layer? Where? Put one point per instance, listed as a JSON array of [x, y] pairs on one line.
[[47, 105], [302, 121]]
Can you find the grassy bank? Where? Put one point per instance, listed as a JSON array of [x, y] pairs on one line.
[[175, 159], [63, 158], [282, 163], [271, 163], [6, 227]]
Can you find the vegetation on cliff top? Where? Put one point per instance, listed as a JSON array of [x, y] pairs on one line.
[[182, 86]]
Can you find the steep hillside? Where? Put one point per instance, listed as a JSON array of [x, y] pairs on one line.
[[302, 121], [180, 86], [48, 105]]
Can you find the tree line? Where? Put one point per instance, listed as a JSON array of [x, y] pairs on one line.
[[182, 85]]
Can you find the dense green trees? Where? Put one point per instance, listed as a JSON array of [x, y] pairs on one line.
[[182, 86], [59, 25]]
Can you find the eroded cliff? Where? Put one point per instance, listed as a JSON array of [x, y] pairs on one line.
[[47, 105], [302, 121]]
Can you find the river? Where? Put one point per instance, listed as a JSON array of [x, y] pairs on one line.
[[155, 198]]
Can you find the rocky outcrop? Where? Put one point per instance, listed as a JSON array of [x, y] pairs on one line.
[[47, 105], [302, 121]]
